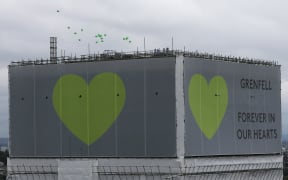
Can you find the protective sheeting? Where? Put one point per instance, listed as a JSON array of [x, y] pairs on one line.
[[122, 108], [231, 108], [133, 108]]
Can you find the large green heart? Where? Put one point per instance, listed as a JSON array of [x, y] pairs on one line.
[[208, 103], [88, 111]]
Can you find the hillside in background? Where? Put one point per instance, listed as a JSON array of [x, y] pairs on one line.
[[284, 137], [4, 142]]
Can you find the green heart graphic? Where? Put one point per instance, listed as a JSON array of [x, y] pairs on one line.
[[208, 103], [88, 111]]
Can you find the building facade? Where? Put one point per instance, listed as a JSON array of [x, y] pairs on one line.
[[145, 116]]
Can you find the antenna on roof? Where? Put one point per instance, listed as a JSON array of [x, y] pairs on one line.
[[172, 44], [144, 45]]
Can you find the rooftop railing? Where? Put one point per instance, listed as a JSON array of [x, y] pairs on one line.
[[156, 53]]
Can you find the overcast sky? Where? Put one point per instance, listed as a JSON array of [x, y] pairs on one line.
[[246, 28]]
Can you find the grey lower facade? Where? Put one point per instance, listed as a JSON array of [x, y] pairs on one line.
[[227, 168]]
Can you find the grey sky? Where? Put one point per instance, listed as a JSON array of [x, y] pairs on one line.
[[256, 29]]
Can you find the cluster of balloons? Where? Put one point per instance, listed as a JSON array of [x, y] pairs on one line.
[[75, 32], [127, 39], [99, 37]]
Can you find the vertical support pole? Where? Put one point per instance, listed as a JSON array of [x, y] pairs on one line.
[[53, 49]]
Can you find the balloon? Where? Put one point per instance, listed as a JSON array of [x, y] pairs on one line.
[[58, 11], [68, 27], [75, 32]]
